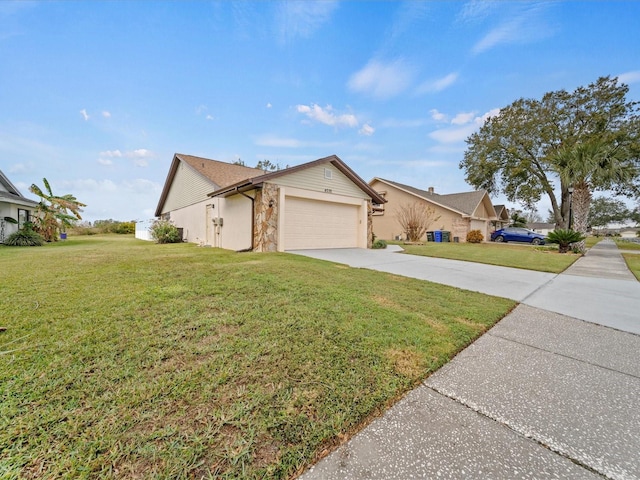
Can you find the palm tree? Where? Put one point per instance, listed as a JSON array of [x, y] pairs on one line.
[[54, 213], [585, 167]]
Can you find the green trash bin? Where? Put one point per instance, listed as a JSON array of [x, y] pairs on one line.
[[446, 236], [430, 237]]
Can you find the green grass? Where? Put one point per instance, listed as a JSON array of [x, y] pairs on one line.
[[126, 359], [544, 258], [627, 244], [633, 262]]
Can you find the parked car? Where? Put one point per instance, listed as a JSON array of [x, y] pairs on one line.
[[516, 234]]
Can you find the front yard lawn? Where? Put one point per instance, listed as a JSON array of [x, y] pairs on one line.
[[126, 359], [544, 258], [631, 244], [633, 262]]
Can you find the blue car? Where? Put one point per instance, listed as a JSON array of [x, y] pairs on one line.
[[516, 234]]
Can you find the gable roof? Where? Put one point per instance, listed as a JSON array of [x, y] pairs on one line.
[[463, 203], [501, 212], [11, 194], [253, 182], [218, 173]]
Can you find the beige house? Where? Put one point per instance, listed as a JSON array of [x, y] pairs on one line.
[[458, 213], [15, 208], [502, 215], [320, 204]]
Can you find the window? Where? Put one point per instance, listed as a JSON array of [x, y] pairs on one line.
[[23, 216]]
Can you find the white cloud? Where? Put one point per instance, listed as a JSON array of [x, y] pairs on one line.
[[433, 86], [438, 116], [139, 156], [20, 168], [525, 25], [280, 142], [463, 118], [301, 19], [453, 135], [209, 117], [367, 130], [326, 115], [629, 77], [111, 153], [467, 124], [106, 114], [140, 153], [84, 114], [269, 105], [382, 80], [476, 10]]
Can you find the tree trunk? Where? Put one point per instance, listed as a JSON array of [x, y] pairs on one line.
[[580, 206]]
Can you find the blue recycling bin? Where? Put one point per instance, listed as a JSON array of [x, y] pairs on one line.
[[437, 235]]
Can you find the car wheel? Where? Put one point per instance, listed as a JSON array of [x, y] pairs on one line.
[[499, 238], [535, 241]]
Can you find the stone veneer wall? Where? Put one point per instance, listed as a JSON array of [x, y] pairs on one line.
[[369, 224], [266, 219]]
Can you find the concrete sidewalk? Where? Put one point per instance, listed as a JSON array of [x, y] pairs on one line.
[[541, 395]]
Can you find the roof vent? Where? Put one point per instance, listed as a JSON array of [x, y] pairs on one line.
[[431, 190]]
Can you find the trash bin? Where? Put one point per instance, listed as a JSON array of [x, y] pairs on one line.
[[456, 239], [430, 237], [446, 236], [63, 236], [437, 235]]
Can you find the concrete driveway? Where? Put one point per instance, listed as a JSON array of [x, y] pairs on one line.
[[597, 288], [543, 394]]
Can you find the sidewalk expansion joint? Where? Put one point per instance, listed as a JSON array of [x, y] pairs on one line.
[[563, 355], [514, 429]]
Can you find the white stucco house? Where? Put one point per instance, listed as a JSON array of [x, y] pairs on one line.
[[319, 204], [15, 208]]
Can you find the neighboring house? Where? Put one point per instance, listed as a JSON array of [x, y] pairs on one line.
[[541, 227], [14, 207], [320, 204], [459, 212], [502, 215]]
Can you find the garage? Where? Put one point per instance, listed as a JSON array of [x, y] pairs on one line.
[[320, 224]]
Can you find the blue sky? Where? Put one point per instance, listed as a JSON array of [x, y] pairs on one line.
[[97, 96]]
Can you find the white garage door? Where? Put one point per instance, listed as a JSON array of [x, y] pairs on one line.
[[317, 224]]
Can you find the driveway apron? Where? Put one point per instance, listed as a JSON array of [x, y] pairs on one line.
[[551, 391]]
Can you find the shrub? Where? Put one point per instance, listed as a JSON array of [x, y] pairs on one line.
[[475, 236], [25, 237], [163, 231], [379, 244], [564, 238]]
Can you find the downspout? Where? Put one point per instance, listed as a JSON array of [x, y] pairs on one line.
[[253, 216]]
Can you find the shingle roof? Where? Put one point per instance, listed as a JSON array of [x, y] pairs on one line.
[[465, 202], [220, 173], [228, 177], [12, 194], [332, 159]]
